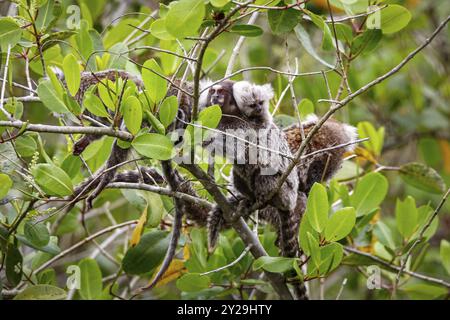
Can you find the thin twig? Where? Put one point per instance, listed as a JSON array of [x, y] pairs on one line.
[[242, 255]]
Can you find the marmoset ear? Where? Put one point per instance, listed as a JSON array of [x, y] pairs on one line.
[[242, 92], [267, 91]]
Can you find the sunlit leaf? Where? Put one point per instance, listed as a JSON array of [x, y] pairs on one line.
[[154, 146], [369, 193], [317, 207]]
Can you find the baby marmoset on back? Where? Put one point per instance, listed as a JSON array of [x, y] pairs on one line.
[[322, 166]]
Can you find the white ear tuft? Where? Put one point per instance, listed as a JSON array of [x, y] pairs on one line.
[[242, 92], [203, 100], [310, 120], [267, 91], [352, 133]]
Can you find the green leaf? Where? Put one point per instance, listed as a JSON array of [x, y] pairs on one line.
[[10, 33], [247, 30], [283, 21], [406, 216], [168, 110], [147, 254], [445, 254], [91, 279], [156, 85], [274, 264], [185, 17], [72, 73], [317, 207], [422, 291], [375, 143], [132, 114], [51, 248], [393, 18], [26, 146], [369, 193], [366, 42], [305, 108], [155, 123], [158, 30], [305, 40], [50, 98], [330, 258], [56, 83], [305, 228], [42, 292], [384, 235], [13, 265], [422, 177], [84, 40], [154, 146], [340, 224], [36, 233], [219, 3], [5, 184], [210, 116], [108, 94], [53, 180], [314, 248], [344, 32], [327, 40], [72, 104], [94, 105], [192, 282]]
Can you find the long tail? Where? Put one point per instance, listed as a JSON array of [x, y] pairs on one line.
[[173, 181], [289, 226]]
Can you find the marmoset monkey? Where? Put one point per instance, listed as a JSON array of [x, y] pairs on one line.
[[249, 178]]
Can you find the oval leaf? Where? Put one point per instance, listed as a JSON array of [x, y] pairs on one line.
[[168, 110], [282, 21], [193, 282], [393, 18], [156, 85], [406, 215], [91, 279], [340, 224], [50, 98], [422, 177], [42, 292], [317, 207], [72, 73], [132, 114], [10, 34], [274, 264], [147, 254], [36, 233], [185, 17], [5, 184], [154, 146], [247, 30], [94, 105], [53, 180], [369, 193]]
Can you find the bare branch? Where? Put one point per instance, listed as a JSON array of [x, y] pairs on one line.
[[397, 268], [122, 135]]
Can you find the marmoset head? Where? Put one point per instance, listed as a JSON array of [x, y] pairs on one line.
[[222, 95], [253, 100]]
